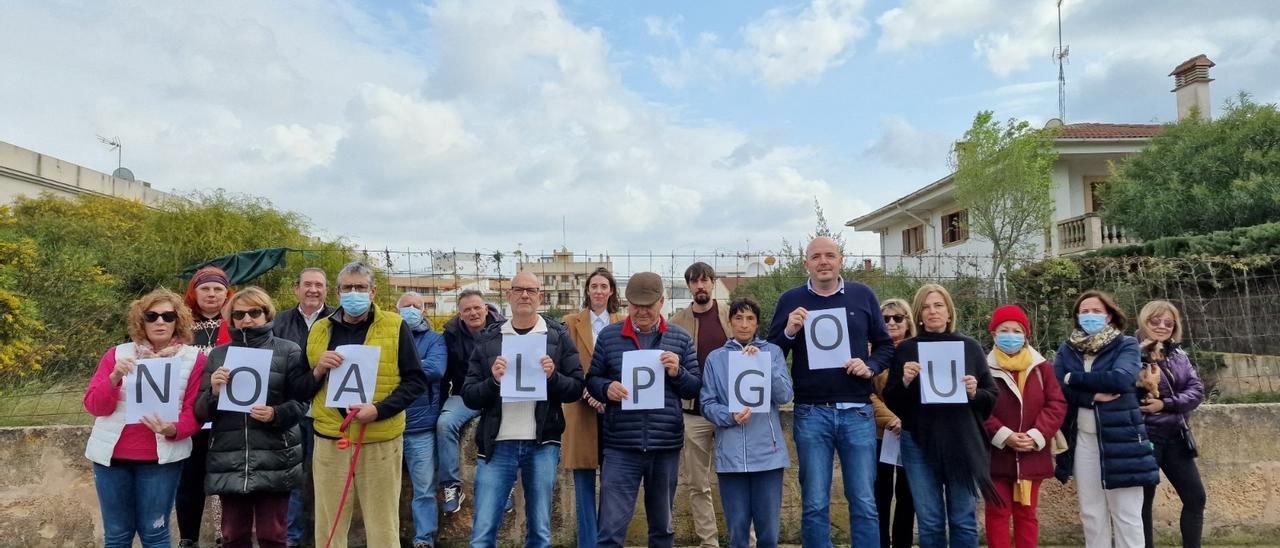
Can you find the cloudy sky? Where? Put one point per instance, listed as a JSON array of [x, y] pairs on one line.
[[648, 126]]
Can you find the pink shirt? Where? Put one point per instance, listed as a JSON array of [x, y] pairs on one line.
[[137, 442]]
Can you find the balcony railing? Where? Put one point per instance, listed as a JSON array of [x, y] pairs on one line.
[[1088, 232]]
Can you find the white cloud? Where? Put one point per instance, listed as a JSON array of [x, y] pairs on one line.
[[922, 22], [514, 118], [783, 47], [904, 146]]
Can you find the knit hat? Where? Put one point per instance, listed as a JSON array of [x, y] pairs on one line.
[[1006, 313]]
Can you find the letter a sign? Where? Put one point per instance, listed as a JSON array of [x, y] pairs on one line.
[[942, 372], [149, 390], [524, 379], [250, 373], [750, 382], [356, 379], [827, 338], [644, 379]]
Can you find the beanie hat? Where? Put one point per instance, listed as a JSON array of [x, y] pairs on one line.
[[1006, 313]]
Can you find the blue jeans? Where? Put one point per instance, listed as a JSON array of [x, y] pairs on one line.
[[937, 504], [753, 498], [821, 432], [298, 525], [537, 466], [621, 474], [136, 498], [584, 498], [453, 416], [420, 459]]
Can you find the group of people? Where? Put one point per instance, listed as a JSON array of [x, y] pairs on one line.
[[1110, 410]]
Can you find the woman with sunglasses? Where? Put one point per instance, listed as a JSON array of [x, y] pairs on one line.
[[255, 458], [1166, 416], [136, 465], [898, 533]]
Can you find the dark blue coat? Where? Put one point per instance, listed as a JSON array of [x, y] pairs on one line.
[[1127, 458], [651, 429], [421, 415]]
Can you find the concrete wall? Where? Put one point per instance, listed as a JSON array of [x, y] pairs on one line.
[[28, 173], [47, 493]]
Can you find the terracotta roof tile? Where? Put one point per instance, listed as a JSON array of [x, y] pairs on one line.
[[1109, 131]]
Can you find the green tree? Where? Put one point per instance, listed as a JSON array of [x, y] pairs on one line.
[[1198, 176], [1002, 178]]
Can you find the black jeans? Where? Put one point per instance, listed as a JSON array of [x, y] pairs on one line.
[[901, 533], [1179, 467], [190, 502]]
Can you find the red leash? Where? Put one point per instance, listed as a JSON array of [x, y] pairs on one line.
[[344, 443]]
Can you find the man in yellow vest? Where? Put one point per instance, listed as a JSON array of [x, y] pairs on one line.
[[400, 381]]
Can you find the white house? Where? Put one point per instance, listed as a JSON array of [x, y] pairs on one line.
[[923, 232]]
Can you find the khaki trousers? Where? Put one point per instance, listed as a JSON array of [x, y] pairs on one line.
[[376, 486], [696, 471]]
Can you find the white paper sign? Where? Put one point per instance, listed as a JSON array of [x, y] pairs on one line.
[[247, 385], [942, 372], [750, 382], [827, 338], [644, 379], [524, 379], [150, 389], [891, 448], [355, 380]]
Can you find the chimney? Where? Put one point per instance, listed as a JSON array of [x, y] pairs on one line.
[[1191, 84]]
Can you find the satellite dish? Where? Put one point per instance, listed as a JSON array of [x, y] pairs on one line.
[[1053, 122], [123, 173]]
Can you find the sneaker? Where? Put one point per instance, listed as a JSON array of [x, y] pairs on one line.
[[511, 501], [453, 499], [187, 543]]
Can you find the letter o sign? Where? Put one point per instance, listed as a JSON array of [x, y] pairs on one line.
[[835, 322]]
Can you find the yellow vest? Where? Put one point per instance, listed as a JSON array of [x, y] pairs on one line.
[[385, 333]]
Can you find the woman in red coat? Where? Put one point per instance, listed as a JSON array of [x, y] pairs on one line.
[[1028, 412]]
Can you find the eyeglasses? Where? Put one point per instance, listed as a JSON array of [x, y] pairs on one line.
[[524, 290], [894, 318], [152, 317], [358, 288], [254, 313], [1157, 322]]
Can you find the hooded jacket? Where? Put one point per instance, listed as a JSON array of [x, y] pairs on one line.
[[759, 444], [247, 455]]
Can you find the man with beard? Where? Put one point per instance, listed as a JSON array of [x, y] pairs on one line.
[[708, 323]]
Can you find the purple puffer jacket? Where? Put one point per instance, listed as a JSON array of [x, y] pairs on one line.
[[1181, 391]]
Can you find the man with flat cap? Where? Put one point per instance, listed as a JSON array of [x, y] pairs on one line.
[[641, 446]]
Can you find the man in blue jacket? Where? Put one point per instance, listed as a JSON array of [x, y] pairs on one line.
[[833, 414], [642, 445], [420, 420]]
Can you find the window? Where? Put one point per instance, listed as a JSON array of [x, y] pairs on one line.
[[913, 240], [1092, 194], [955, 227]]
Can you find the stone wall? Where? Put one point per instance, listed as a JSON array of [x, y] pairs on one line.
[[47, 495]]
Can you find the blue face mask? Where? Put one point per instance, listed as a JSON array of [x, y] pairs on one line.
[[354, 303], [1010, 343], [1092, 323], [412, 316]]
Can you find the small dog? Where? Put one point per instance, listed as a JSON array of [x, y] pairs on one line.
[[1149, 376]]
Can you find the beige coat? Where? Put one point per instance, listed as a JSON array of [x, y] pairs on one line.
[[579, 445], [684, 318]]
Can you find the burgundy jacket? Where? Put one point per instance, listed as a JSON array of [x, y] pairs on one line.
[[1037, 411]]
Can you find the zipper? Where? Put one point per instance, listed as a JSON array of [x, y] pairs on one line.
[[245, 336]]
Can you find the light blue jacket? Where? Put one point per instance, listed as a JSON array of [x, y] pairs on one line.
[[758, 445]]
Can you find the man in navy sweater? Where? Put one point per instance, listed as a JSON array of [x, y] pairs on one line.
[[833, 414]]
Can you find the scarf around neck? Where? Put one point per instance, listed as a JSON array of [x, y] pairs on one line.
[[1091, 344]]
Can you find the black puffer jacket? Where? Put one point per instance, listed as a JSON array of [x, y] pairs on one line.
[[482, 393], [245, 454]]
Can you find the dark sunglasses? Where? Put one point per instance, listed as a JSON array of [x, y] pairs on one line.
[[895, 318], [168, 317], [254, 313]]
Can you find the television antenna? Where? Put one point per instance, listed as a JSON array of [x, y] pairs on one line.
[[114, 144], [1060, 55]]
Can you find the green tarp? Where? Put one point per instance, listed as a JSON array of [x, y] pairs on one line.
[[244, 266]]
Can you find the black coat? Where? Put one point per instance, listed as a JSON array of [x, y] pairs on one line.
[[1127, 456], [291, 326], [245, 454], [483, 393]]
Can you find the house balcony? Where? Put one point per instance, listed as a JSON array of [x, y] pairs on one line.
[[1089, 232]]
